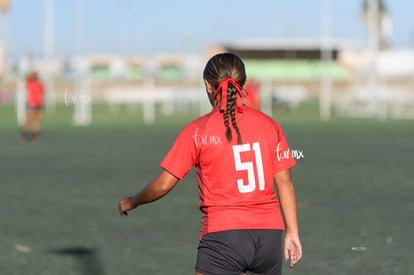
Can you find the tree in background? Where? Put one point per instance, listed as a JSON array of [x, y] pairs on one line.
[[383, 26]]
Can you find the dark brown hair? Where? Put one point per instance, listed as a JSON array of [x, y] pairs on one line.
[[218, 68]]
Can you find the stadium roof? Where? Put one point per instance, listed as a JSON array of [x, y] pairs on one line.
[[302, 49], [296, 43]]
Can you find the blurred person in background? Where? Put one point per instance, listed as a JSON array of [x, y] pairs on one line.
[[252, 98], [35, 91], [238, 153]]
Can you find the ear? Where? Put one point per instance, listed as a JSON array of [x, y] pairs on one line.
[[208, 87]]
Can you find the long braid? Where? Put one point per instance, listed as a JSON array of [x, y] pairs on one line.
[[226, 114], [231, 107]]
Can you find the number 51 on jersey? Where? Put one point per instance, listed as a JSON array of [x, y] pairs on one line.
[[248, 166]]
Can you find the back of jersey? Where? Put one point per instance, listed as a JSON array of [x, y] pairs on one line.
[[236, 180]]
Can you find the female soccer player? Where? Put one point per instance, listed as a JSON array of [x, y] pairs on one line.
[[34, 108], [238, 153]]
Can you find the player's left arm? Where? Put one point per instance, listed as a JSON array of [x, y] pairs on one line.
[[156, 189], [287, 199]]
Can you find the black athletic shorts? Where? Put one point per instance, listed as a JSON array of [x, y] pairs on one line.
[[240, 251]]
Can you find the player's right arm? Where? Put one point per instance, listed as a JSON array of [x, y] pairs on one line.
[[156, 189]]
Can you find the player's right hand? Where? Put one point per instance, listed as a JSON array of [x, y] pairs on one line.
[[125, 205]]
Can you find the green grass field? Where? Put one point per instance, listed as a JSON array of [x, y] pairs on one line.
[[58, 198]]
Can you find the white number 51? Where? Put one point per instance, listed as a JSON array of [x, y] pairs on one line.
[[249, 167]]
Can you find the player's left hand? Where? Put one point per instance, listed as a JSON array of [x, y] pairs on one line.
[[125, 205]]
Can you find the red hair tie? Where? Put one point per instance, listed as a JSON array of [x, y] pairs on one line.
[[223, 86]]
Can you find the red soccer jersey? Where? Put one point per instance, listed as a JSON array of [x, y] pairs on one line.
[[235, 181], [34, 93]]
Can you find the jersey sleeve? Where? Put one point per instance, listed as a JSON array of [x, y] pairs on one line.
[[182, 156], [283, 158]]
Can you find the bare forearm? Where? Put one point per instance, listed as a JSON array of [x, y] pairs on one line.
[[155, 190], [287, 199], [150, 193]]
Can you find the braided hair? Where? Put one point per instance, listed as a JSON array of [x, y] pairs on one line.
[[219, 68]]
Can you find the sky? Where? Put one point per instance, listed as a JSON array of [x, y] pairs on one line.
[[138, 27]]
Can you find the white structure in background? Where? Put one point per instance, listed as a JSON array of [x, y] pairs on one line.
[[24, 67], [325, 92], [189, 66], [395, 65], [118, 67], [148, 97], [4, 62], [382, 88], [81, 96], [172, 96], [49, 45], [20, 100], [373, 18], [397, 101], [290, 96], [2, 59]]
